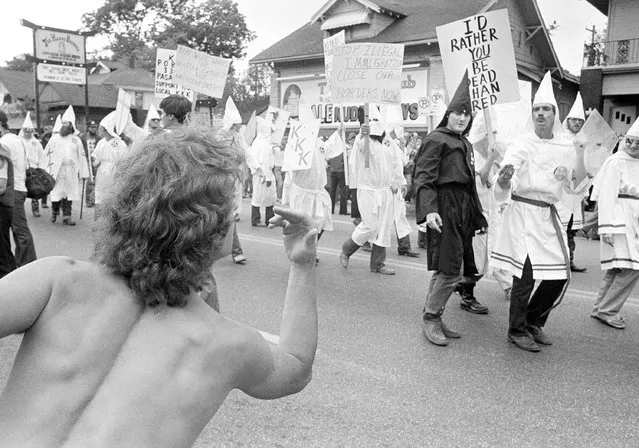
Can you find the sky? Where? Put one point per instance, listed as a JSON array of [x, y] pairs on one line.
[[272, 20]]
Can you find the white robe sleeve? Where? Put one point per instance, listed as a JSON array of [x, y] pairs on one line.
[[516, 155], [605, 193]]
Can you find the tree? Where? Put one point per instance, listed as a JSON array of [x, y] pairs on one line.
[[136, 27], [251, 89], [19, 63]]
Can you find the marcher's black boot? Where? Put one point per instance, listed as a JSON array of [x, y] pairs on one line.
[[469, 302]]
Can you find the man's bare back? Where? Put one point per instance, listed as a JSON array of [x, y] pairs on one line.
[[99, 368]]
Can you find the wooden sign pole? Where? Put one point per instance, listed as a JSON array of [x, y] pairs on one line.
[[367, 147]]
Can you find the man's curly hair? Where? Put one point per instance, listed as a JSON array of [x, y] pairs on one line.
[[167, 214]]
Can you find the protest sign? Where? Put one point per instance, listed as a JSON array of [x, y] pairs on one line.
[[329, 46], [165, 76], [298, 154], [279, 124], [483, 45], [200, 71], [367, 73]]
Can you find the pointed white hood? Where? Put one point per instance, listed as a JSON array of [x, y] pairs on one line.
[[545, 95], [28, 124], [231, 114], [69, 115], [375, 121], [634, 129], [57, 125]]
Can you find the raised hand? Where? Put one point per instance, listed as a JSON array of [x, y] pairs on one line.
[[505, 175], [299, 232]]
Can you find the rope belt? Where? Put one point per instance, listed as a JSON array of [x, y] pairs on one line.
[[556, 222]]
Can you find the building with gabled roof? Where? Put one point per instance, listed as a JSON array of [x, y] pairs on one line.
[[298, 58], [610, 76]]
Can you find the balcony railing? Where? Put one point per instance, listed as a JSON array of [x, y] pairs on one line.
[[614, 52]]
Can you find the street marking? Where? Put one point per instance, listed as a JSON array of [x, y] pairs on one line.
[[572, 293]]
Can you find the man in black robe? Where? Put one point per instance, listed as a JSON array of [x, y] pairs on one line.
[[447, 201]]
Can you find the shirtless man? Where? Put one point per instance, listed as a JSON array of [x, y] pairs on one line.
[[122, 352]]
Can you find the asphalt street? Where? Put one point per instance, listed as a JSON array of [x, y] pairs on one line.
[[378, 383]]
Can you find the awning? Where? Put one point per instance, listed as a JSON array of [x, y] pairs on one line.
[[346, 19]]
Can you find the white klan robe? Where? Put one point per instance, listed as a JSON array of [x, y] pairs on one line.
[[107, 153], [262, 157], [616, 190], [307, 192], [64, 159], [374, 196], [402, 226], [34, 150], [528, 230]]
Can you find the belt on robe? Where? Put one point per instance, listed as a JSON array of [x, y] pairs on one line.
[[556, 222], [627, 196]]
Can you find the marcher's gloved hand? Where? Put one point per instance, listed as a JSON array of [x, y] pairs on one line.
[[268, 183], [505, 175], [434, 221], [299, 233], [561, 173], [366, 130], [607, 239]]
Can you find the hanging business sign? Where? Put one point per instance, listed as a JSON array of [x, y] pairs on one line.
[[65, 74], [56, 46]]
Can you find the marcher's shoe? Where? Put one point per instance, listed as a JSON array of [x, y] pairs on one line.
[[408, 253], [54, 217], [538, 335], [524, 342], [471, 305], [384, 270], [68, 222], [618, 324], [574, 268], [433, 331], [36, 214], [449, 333], [343, 260], [367, 247], [239, 259]]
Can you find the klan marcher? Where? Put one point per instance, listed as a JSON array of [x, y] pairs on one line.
[[446, 200], [34, 151], [536, 171], [90, 140], [152, 123], [570, 208], [230, 132], [616, 190], [376, 185], [7, 260], [108, 152], [395, 129], [261, 163], [337, 179], [24, 247], [64, 159], [173, 111]]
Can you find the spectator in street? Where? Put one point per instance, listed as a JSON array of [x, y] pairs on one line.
[[24, 247], [7, 260], [124, 344], [65, 159], [537, 169], [173, 111], [446, 200], [616, 191], [34, 150], [337, 182]]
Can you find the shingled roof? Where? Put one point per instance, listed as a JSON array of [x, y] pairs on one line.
[[19, 84], [418, 26]]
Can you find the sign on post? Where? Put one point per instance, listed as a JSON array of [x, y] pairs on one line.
[[483, 45], [57, 46], [165, 76], [298, 154], [66, 74], [329, 47], [367, 73], [200, 71]]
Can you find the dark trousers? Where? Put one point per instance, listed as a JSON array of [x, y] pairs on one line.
[[524, 313], [354, 207], [66, 207], [25, 249], [337, 183], [7, 261], [403, 244], [35, 204], [378, 254], [256, 217], [236, 248], [571, 239]]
